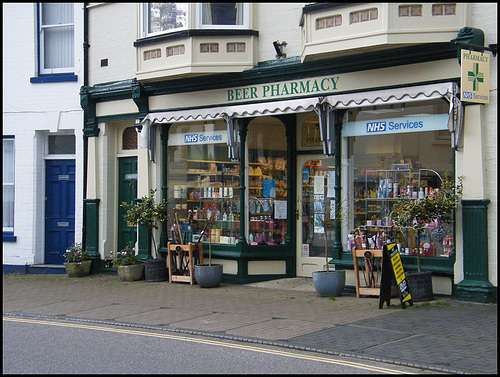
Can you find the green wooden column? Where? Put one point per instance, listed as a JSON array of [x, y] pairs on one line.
[[243, 139], [91, 207], [338, 115], [143, 239], [475, 286]]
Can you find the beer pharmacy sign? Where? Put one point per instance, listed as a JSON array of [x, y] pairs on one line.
[[475, 77]]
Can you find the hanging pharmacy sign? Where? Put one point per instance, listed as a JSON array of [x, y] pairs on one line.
[[475, 77]]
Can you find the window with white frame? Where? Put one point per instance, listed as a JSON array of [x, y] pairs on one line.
[[56, 42], [159, 18], [164, 17], [222, 15], [8, 184]]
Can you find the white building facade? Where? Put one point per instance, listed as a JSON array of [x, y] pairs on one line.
[[42, 134], [266, 116]]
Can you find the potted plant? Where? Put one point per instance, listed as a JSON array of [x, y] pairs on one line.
[[208, 275], [77, 261], [331, 282], [416, 214], [150, 214], [128, 265]]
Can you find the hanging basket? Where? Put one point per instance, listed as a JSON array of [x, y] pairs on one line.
[[155, 270]]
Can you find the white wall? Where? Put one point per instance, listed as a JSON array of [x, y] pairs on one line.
[[30, 111]]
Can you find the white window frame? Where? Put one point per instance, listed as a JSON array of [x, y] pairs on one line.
[[245, 25], [41, 32], [9, 139], [145, 22]]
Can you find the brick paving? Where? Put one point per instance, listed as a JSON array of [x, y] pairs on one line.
[[443, 335]]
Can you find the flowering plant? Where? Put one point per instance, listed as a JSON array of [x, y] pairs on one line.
[[126, 257], [75, 254]]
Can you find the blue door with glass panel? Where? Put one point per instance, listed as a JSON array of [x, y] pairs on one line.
[[59, 209]]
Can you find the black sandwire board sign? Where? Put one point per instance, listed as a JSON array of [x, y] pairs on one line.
[[393, 268]]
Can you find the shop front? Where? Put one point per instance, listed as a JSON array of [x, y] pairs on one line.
[[273, 176]]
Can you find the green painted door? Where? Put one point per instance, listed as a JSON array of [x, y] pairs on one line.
[[127, 192]]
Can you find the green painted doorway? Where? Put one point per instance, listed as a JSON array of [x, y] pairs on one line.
[[127, 192]]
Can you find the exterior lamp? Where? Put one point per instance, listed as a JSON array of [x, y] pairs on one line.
[[138, 126], [279, 49]]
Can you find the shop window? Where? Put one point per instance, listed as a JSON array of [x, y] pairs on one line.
[[392, 153], [203, 183], [267, 181], [129, 138]]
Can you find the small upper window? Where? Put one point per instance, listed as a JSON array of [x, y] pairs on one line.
[[61, 144], [129, 138], [364, 15], [56, 28], [410, 10], [444, 9]]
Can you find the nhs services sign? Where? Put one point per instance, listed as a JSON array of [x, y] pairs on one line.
[[418, 123], [197, 138]]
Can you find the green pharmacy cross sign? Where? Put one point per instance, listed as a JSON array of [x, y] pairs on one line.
[[475, 77]]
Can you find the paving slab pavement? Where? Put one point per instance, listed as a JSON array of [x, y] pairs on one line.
[[444, 335]]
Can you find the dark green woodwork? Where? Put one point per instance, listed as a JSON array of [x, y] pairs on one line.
[[338, 115], [165, 128], [88, 105], [127, 192], [140, 98], [475, 286], [143, 241], [91, 208], [243, 139]]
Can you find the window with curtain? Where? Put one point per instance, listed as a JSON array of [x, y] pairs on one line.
[[56, 22], [221, 14], [8, 185]]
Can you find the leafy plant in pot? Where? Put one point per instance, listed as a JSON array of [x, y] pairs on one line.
[[150, 214], [416, 214], [208, 275], [77, 262], [128, 265], [331, 282]]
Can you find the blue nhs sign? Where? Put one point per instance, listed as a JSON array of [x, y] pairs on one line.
[[375, 127], [190, 138]]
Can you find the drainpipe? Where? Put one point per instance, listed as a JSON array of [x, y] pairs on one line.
[[85, 137]]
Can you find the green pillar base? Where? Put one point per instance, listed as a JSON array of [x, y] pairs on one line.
[[96, 266], [476, 291]]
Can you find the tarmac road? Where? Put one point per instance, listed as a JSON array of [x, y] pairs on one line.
[[444, 335]]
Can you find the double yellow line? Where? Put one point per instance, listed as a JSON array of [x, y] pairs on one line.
[[120, 330]]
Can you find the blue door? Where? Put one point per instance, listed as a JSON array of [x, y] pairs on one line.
[[59, 209]]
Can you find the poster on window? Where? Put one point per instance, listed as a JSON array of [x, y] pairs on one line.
[[319, 185], [269, 188], [319, 214]]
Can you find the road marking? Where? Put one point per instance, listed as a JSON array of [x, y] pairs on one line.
[[209, 342]]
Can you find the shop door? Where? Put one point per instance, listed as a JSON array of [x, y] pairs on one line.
[[59, 209], [127, 192], [315, 204]]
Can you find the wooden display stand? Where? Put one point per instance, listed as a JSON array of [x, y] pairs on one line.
[[184, 261], [367, 291]]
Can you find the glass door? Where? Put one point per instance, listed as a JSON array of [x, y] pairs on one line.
[[315, 212]]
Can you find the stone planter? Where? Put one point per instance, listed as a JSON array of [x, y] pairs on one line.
[[77, 270], [155, 270], [130, 272], [420, 285], [329, 283], [208, 276]]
